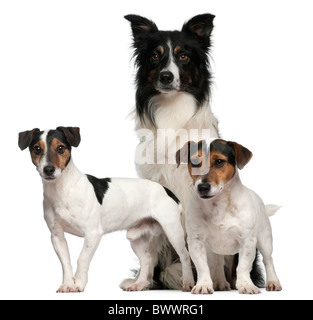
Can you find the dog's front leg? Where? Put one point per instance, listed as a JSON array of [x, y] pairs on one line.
[[198, 253], [91, 243], [61, 248], [244, 283]]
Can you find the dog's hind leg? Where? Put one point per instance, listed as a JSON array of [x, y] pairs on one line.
[[140, 238], [171, 224], [265, 245], [187, 278], [140, 247]]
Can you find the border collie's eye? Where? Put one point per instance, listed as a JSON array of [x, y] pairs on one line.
[[60, 149], [37, 150], [219, 163], [183, 57], [155, 58]]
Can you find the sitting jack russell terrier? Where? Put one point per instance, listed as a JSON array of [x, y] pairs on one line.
[[225, 217], [88, 207]]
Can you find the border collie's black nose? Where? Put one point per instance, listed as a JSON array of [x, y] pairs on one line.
[[204, 189], [166, 77], [49, 170]]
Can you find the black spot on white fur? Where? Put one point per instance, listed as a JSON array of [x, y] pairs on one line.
[[172, 195], [100, 186]]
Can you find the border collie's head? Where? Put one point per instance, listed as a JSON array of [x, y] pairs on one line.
[[171, 61]]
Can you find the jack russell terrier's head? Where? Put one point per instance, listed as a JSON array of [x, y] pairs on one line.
[[212, 167], [50, 150]]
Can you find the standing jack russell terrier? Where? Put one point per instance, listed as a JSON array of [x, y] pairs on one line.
[[225, 217], [88, 207]]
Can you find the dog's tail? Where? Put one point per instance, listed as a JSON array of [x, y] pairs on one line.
[[168, 271], [271, 209]]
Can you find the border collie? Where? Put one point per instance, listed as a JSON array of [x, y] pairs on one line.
[[172, 107]]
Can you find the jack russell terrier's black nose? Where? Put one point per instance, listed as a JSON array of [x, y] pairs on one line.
[[204, 189], [49, 170]]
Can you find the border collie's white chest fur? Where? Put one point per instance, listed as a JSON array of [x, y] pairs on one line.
[[173, 110]]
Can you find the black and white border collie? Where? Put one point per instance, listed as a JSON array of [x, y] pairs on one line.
[[173, 76], [172, 107], [171, 65]]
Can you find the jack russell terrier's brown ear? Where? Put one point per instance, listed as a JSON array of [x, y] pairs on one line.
[[242, 154], [26, 137], [72, 135], [183, 155]]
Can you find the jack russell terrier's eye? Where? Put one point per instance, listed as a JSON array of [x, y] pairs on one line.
[[219, 163], [37, 150], [196, 162], [60, 149]]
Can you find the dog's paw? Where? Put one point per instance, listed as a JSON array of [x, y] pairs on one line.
[[80, 284], [127, 283], [67, 288], [273, 286], [202, 289], [187, 284], [247, 288], [222, 286], [140, 286]]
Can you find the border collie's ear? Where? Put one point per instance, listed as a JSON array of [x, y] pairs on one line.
[[25, 138], [72, 135], [184, 154], [141, 27], [201, 27], [242, 154]]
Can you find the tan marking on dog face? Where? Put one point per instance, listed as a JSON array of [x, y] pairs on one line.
[[60, 155], [219, 175], [160, 50], [37, 152], [177, 49], [152, 75], [197, 164]]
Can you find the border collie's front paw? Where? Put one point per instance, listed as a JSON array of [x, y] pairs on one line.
[[247, 288], [202, 289], [188, 283], [222, 286]]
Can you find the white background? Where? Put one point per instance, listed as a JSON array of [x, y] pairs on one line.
[[69, 63]]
